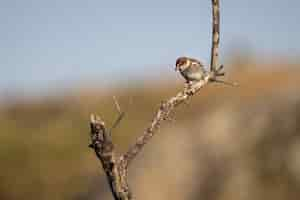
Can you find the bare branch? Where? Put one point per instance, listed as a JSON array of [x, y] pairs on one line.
[[215, 68], [117, 122], [120, 116], [162, 115], [113, 166], [215, 36], [116, 168], [117, 104], [233, 84]]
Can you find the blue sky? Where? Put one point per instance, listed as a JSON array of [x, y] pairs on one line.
[[50, 45]]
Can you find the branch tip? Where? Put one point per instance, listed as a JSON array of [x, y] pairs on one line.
[[117, 105]]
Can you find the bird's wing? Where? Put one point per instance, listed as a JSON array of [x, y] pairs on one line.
[[196, 62]]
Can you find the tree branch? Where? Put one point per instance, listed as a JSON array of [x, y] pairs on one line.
[[116, 168], [113, 166], [120, 116], [215, 36], [162, 115]]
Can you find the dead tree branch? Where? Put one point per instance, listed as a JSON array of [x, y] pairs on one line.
[[120, 116], [116, 168], [215, 36], [162, 115], [113, 166]]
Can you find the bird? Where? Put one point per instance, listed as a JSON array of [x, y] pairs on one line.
[[191, 69]]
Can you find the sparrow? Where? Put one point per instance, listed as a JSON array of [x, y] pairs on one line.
[[191, 69]]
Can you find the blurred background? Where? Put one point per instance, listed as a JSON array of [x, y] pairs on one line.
[[62, 60]]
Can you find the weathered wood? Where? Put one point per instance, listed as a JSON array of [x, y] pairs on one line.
[[113, 166]]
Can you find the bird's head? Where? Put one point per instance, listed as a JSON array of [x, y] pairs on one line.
[[182, 63]]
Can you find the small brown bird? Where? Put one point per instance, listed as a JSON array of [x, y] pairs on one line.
[[191, 69]]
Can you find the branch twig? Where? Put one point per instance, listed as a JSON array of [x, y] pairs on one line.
[[117, 105], [120, 116], [215, 36]]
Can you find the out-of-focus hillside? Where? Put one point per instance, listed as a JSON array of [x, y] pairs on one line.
[[226, 143]]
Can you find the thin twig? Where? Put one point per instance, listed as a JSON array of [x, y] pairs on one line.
[[120, 116], [117, 122], [117, 104], [215, 68], [215, 36], [233, 84]]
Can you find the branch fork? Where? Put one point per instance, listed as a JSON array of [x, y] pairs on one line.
[[116, 168]]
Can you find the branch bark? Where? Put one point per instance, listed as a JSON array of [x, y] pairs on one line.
[[116, 168], [113, 166], [215, 36]]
